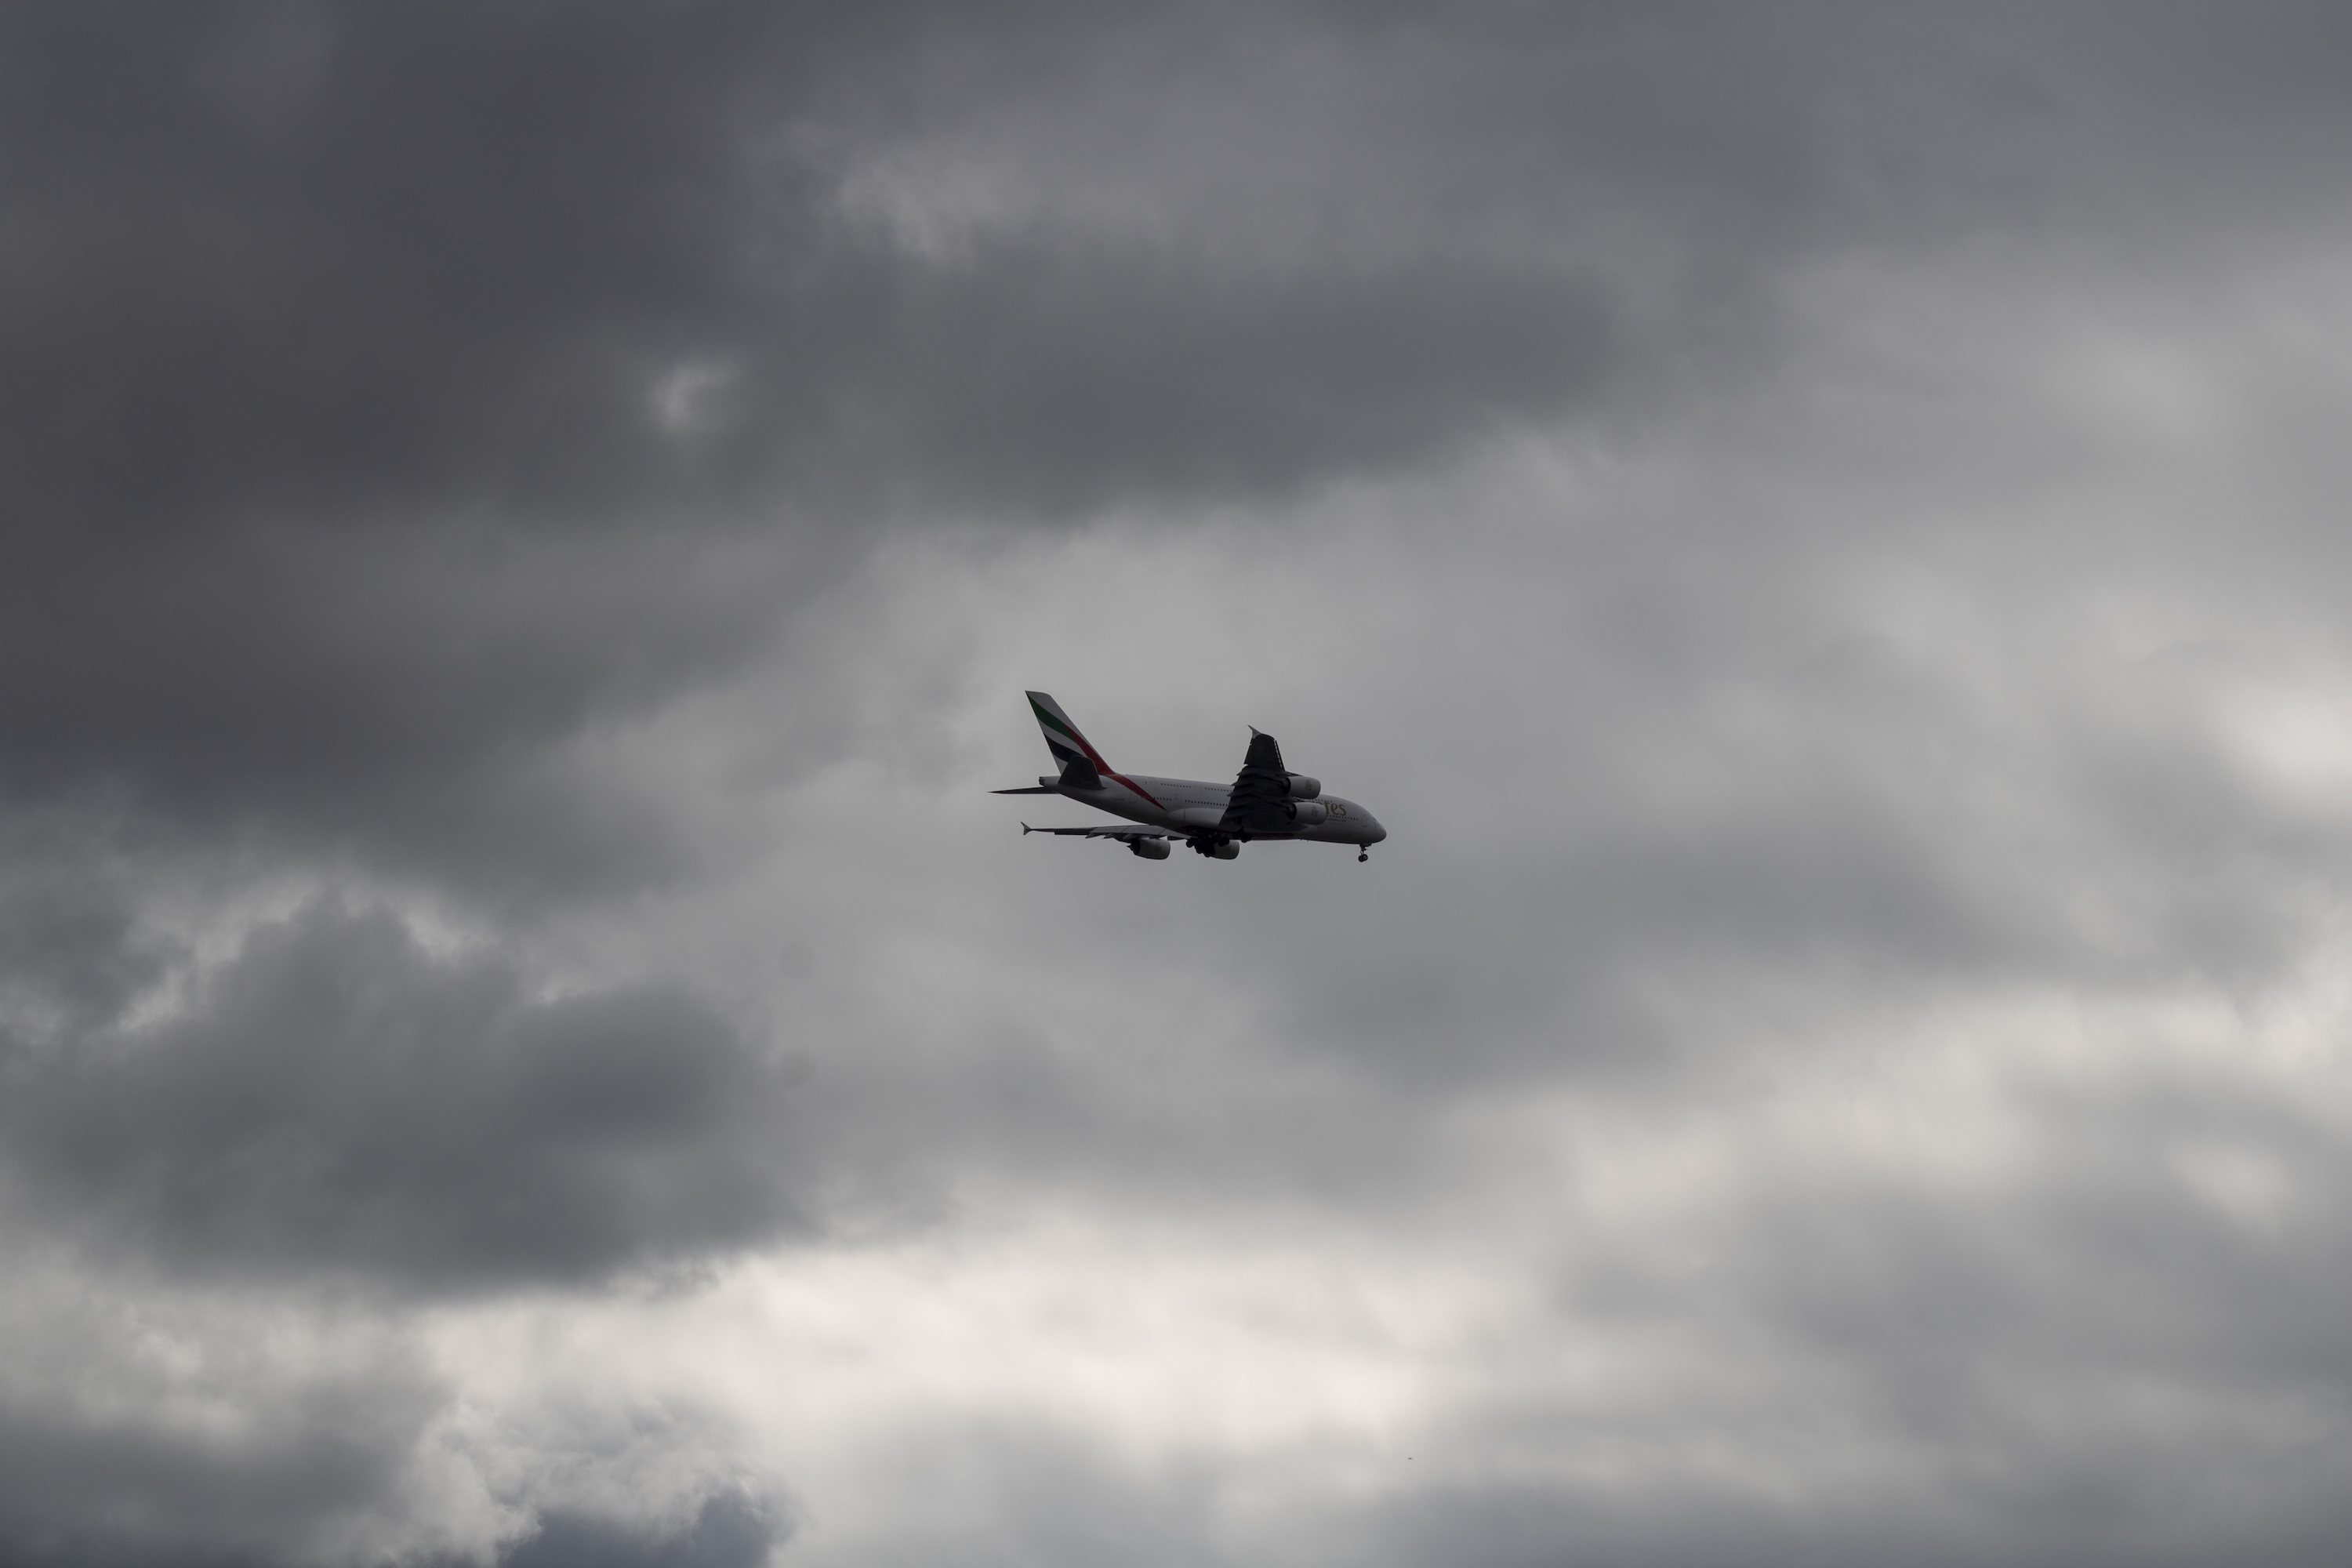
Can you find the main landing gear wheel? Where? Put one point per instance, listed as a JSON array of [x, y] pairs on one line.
[[1363, 854]]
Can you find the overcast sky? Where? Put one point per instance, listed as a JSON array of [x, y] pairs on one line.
[[1819, 529]]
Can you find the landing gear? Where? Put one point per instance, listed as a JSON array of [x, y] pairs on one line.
[[1363, 855]]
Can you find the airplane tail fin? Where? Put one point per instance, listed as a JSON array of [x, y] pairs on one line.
[[1082, 767]]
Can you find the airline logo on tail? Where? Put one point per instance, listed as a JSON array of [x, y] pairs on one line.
[[1069, 748], [1082, 765]]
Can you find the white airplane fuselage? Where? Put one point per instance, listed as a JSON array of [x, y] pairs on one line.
[[1196, 806]]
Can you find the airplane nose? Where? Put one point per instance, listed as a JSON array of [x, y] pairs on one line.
[[1379, 832]]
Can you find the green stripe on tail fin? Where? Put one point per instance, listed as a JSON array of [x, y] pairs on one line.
[[1082, 767]]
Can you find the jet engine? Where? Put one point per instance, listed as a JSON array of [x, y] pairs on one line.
[[1309, 813], [1304, 788], [1149, 848]]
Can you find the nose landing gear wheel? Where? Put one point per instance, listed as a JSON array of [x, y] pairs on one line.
[[1363, 854]]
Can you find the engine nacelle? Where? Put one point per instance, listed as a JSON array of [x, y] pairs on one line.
[[1309, 813], [1149, 848], [1304, 788]]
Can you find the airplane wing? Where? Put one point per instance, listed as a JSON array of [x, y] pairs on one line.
[[1261, 799], [1099, 832]]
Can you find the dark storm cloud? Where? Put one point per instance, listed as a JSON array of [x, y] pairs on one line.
[[392, 394], [336, 342], [150, 1497], [69, 955], [727, 1531], [325, 330], [89, 1475], [338, 1101], [352, 263], [388, 391]]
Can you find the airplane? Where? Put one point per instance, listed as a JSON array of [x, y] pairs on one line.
[[1268, 802]]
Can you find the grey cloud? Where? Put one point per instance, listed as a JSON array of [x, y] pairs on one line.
[[143, 1498], [1860, 825], [143, 1422], [396, 397], [727, 1531], [2092, 1364], [336, 336], [446, 262], [70, 957], [2088, 1362], [335, 341], [337, 1100], [1524, 1526], [303, 258], [326, 333], [1057, 375], [1031, 1492], [106, 1467]]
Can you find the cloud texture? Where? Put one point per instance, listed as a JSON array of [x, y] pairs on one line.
[[523, 1038]]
